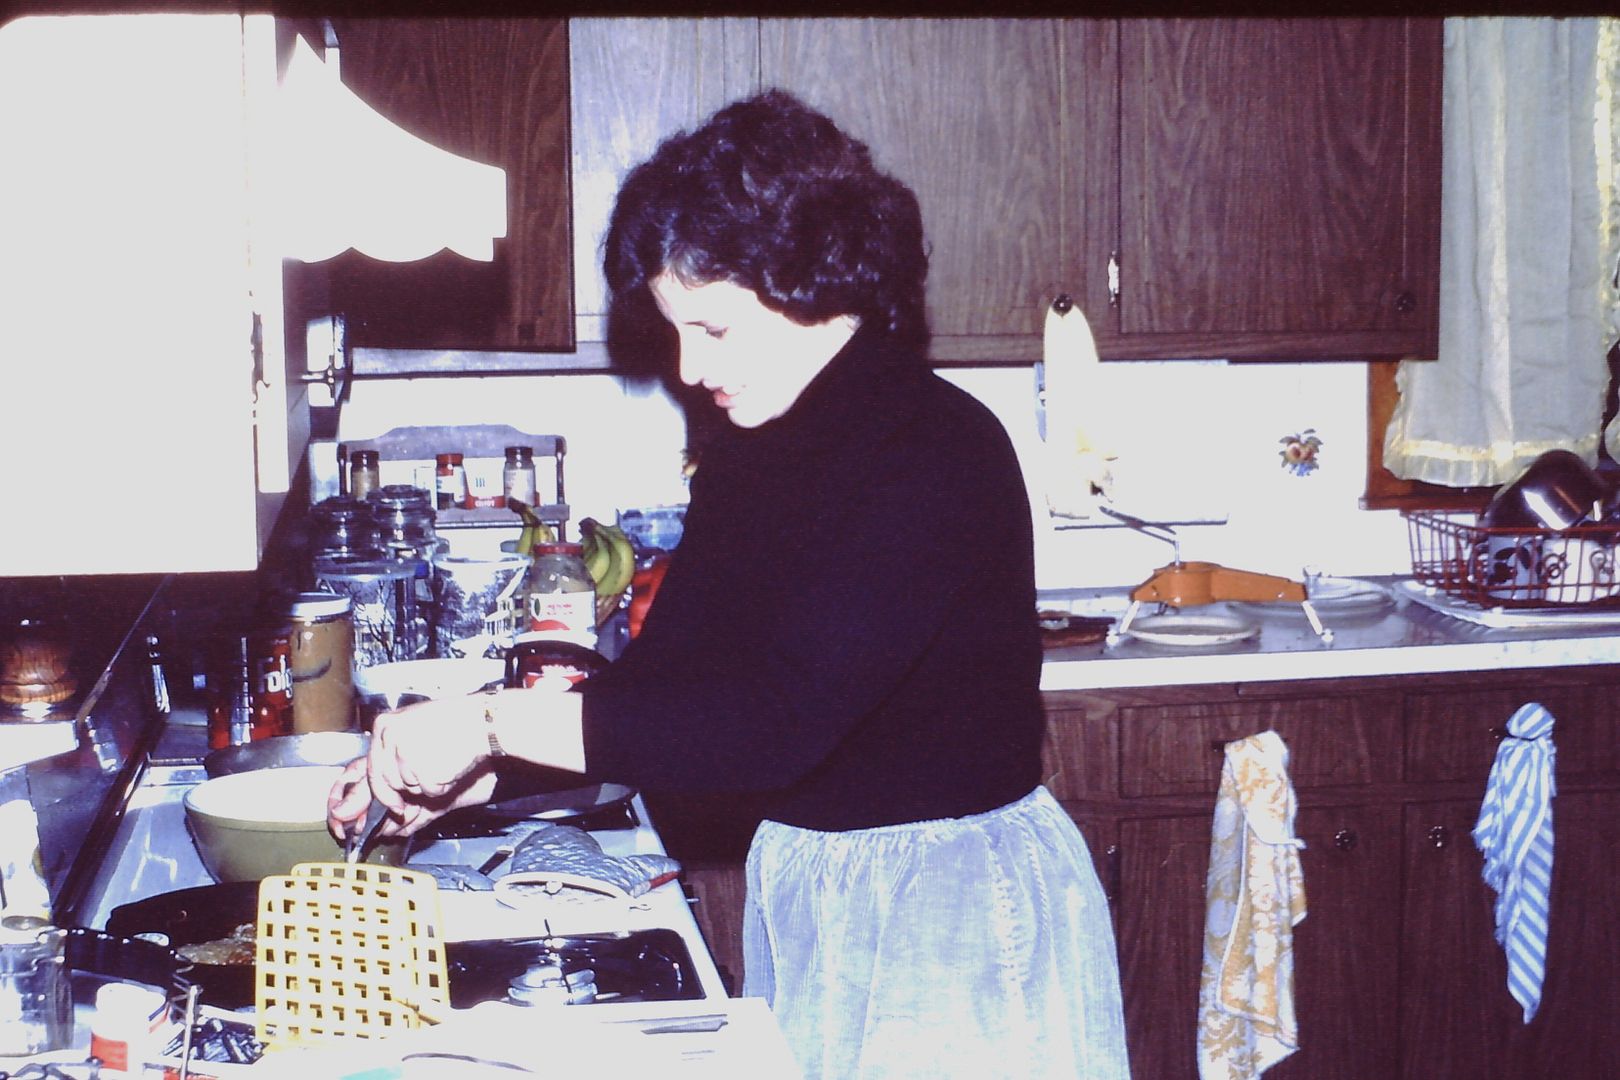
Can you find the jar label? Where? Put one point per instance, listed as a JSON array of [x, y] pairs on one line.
[[571, 614]]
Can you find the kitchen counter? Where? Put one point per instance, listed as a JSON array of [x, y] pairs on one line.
[[1405, 637]]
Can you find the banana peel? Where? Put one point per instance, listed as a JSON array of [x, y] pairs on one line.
[[534, 530]]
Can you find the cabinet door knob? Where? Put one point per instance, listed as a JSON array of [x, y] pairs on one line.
[[1405, 303], [1439, 836], [1062, 303], [1344, 839], [1499, 733]]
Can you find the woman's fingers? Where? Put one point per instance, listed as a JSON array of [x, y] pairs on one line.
[[347, 802]]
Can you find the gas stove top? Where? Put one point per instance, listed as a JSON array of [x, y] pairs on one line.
[[576, 969]]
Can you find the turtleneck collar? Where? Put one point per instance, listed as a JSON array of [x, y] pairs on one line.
[[867, 381]]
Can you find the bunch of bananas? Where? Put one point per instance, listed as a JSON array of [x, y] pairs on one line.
[[534, 530], [611, 562]]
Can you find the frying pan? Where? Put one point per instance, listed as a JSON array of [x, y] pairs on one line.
[[191, 917]]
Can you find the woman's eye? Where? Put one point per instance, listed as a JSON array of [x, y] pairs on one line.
[[716, 332]]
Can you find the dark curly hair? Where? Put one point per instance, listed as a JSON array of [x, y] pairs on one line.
[[771, 195]]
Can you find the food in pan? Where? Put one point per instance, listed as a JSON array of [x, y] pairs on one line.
[[235, 949]]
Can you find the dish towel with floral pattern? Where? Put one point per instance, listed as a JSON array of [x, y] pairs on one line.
[[1254, 897], [1515, 834]]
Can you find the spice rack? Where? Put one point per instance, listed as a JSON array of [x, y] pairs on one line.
[[422, 443]]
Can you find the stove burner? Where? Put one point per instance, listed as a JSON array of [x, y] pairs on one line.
[[638, 965]]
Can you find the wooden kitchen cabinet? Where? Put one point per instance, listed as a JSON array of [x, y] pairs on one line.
[[1203, 188], [1397, 972], [1278, 190], [976, 116], [495, 90], [145, 404]]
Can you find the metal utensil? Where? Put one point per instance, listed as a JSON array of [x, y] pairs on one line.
[[360, 839]]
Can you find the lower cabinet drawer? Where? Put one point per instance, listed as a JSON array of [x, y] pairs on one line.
[[1179, 749]]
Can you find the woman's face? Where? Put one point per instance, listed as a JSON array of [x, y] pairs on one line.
[[754, 361]]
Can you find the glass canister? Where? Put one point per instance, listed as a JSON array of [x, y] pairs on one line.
[[560, 600], [390, 619], [36, 996], [405, 520], [473, 602], [322, 661], [343, 527]]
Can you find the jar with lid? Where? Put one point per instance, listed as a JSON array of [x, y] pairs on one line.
[[404, 519], [365, 474], [322, 667], [560, 600], [36, 995], [518, 474], [450, 480], [343, 528]]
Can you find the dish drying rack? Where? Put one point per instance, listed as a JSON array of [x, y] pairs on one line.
[[1518, 567]]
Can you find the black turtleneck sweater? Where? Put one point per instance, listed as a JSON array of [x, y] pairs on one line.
[[848, 625]]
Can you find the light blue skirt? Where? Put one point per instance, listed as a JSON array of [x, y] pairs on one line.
[[974, 947]]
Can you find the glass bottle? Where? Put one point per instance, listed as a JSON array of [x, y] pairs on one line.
[[561, 598], [450, 480], [517, 475], [365, 474]]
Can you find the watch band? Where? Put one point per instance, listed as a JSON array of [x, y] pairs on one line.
[[495, 748]]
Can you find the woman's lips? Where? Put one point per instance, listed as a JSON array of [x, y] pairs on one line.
[[724, 398]]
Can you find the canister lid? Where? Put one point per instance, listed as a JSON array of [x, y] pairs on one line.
[[319, 605]]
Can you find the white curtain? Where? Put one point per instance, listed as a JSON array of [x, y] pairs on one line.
[[1528, 253]]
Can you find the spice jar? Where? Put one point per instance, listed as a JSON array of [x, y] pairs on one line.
[[365, 474], [561, 598], [517, 475], [450, 480]]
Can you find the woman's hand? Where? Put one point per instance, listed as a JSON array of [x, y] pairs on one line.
[[421, 753], [350, 798]]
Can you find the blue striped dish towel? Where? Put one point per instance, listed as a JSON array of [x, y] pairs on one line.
[[1515, 834]]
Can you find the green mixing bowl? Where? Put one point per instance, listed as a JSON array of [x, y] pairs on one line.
[[250, 825]]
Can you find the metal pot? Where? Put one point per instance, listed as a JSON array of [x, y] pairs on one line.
[[1556, 491], [288, 751]]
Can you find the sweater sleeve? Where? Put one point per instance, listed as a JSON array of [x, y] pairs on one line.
[[856, 612]]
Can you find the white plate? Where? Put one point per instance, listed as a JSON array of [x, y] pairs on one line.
[[1196, 630], [1332, 597]]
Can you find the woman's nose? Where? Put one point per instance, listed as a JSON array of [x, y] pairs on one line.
[[690, 364]]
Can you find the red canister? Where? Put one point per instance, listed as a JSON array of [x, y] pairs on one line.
[[270, 668]]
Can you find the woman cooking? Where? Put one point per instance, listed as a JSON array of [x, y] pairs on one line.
[[847, 627]]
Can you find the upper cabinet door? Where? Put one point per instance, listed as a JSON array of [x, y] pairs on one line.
[[1279, 189], [972, 114], [495, 91]]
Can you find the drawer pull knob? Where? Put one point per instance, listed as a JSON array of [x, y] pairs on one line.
[[1344, 839], [1439, 836]]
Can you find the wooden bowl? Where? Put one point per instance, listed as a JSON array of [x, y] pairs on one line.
[[35, 666]]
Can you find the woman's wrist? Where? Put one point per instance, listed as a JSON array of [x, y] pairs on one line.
[[536, 725]]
